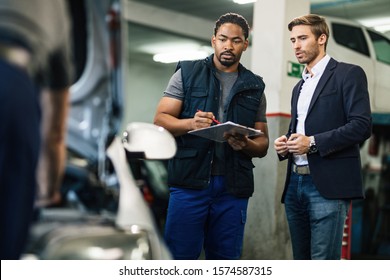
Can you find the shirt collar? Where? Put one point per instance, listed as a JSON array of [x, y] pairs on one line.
[[318, 69]]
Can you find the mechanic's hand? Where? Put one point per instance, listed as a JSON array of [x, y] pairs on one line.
[[202, 119], [236, 141]]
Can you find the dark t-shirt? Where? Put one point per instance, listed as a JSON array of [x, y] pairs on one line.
[[43, 28]]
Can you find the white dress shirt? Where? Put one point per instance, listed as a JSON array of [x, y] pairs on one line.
[[305, 96]]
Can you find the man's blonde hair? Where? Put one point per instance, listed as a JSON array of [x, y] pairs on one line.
[[317, 25]]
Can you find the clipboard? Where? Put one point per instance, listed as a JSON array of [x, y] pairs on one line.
[[216, 132]]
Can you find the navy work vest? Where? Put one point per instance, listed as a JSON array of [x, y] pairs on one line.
[[191, 166]]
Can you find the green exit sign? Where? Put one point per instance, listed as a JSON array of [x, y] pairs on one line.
[[294, 69]]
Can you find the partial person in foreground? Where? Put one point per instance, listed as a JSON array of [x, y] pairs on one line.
[[211, 182], [36, 73], [330, 118]]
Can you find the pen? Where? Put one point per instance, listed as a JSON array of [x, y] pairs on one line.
[[214, 120]]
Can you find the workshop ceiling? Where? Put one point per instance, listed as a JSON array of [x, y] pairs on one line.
[[208, 9], [146, 38]]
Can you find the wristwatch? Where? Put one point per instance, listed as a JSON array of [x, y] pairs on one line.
[[312, 146]]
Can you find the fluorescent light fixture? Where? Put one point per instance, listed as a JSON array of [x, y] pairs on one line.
[[171, 57], [382, 28], [171, 46], [242, 2], [371, 22], [381, 24], [170, 52]]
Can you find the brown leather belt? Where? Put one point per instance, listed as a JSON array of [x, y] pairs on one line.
[[301, 169]]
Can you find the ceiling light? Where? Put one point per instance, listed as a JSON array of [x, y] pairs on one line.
[[241, 2], [381, 24], [169, 46], [171, 57], [382, 28]]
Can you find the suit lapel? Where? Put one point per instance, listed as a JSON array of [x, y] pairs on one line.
[[328, 72], [294, 107]]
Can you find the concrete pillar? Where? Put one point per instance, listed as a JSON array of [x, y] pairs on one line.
[[266, 233]]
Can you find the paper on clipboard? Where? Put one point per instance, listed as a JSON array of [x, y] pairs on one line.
[[216, 132]]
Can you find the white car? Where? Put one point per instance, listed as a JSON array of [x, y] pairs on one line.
[[351, 42]]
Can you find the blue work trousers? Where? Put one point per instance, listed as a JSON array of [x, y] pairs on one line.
[[316, 223], [211, 218], [19, 150]]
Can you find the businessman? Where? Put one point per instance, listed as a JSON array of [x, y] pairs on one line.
[[330, 117]]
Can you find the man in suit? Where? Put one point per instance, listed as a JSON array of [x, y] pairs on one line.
[[330, 117]]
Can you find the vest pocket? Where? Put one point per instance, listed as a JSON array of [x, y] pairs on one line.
[[187, 170], [198, 99], [247, 109], [249, 102], [186, 153], [246, 164], [244, 178]]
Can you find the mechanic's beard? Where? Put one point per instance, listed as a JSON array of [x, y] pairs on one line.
[[227, 63]]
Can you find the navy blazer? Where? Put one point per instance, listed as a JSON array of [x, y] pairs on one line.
[[339, 117]]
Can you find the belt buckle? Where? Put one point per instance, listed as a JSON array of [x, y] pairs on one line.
[[301, 169]]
